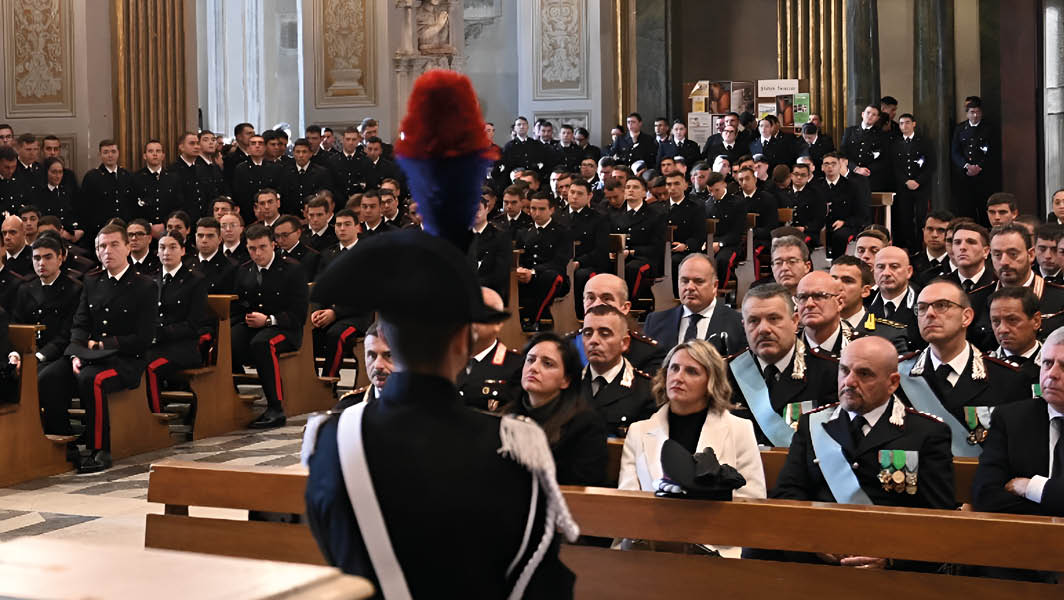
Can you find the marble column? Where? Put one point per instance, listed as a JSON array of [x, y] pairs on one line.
[[933, 87], [862, 57]]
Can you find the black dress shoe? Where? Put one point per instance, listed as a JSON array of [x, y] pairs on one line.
[[73, 455], [98, 461], [268, 420]]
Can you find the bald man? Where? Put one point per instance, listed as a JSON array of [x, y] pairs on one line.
[[895, 297], [493, 376], [819, 304], [645, 353], [17, 255], [869, 417]]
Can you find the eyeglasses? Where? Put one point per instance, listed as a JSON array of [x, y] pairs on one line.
[[814, 296], [283, 234], [790, 262], [136, 234], [939, 306]]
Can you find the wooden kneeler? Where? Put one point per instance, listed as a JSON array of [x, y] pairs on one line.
[[28, 453], [134, 429]]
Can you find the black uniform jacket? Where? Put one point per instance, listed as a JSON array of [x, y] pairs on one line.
[[419, 439], [52, 306], [282, 294], [120, 314]]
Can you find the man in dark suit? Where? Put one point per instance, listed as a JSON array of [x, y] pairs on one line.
[[725, 143], [253, 174], [336, 326], [775, 148], [635, 145], [318, 232], [233, 246], [700, 315], [241, 151], [913, 161], [678, 145], [13, 193], [1021, 469], [370, 128], [762, 203], [141, 258], [688, 219], [17, 254], [347, 234], [349, 165], [819, 299], [108, 189], [934, 259], [183, 318], [847, 212], [816, 144], [110, 337], [730, 212], [855, 284], [810, 208], [592, 230], [619, 391], [493, 252], [644, 228], [377, 167], [267, 317], [373, 222], [156, 192], [975, 158], [776, 380], [390, 212], [492, 378], [895, 296], [521, 152], [567, 152], [50, 299], [288, 234], [541, 275], [513, 219], [198, 186], [219, 271], [868, 418], [1015, 320], [867, 149], [301, 179]]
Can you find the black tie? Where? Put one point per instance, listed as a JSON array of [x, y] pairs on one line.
[[258, 276], [942, 373], [907, 140], [772, 375], [888, 309], [857, 429], [968, 285], [692, 328], [728, 148], [167, 279], [1058, 449], [597, 385]]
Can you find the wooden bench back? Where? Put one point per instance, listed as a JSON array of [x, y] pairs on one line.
[[913, 534]]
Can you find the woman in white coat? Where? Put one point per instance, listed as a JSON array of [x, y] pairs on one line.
[[694, 397]]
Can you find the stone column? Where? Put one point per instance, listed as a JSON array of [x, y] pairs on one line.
[[862, 57], [933, 87]]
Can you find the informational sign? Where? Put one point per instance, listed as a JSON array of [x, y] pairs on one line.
[[802, 109], [770, 88], [699, 127]]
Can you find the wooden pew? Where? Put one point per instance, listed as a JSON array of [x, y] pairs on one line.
[[511, 333], [785, 215], [958, 537], [911, 534], [219, 409], [134, 428], [664, 298], [28, 453], [304, 391], [618, 244], [563, 310], [711, 232], [883, 201]]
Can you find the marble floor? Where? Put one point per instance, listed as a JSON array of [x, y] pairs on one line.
[[109, 508]]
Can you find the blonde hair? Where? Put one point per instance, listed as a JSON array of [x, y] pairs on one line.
[[718, 389]]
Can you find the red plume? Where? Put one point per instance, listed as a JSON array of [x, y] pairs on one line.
[[443, 119]]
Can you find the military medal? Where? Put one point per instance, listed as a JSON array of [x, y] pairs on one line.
[[884, 473], [912, 460], [898, 476], [794, 411], [977, 418]]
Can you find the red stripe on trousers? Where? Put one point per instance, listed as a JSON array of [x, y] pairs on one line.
[[340, 351], [277, 339], [731, 265], [97, 392], [153, 383], [639, 280], [757, 261], [550, 295]]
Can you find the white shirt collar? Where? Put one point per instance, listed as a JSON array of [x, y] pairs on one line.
[[208, 258], [908, 137], [974, 279], [1030, 280], [970, 124], [120, 273], [830, 182], [608, 375], [343, 247], [781, 364], [17, 254], [958, 363], [1028, 354], [172, 273], [154, 172], [932, 257], [481, 229], [269, 264], [321, 231], [190, 164], [637, 208], [230, 248], [544, 226], [706, 312], [52, 188], [856, 319], [873, 416], [828, 343], [480, 356]]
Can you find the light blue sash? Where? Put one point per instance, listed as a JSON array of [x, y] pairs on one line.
[[923, 399], [832, 462], [750, 381]]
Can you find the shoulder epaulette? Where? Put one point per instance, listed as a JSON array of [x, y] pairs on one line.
[[820, 408], [895, 324], [983, 287], [642, 338], [907, 356], [733, 356], [356, 392], [571, 334], [822, 355], [912, 411], [641, 373], [1000, 363], [1054, 284]]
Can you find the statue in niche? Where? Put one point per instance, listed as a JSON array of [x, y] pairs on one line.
[[434, 28]]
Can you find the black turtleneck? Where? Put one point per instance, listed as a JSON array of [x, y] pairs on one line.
[[685, 429]]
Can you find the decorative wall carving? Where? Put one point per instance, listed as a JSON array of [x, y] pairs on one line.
[[434, 28], [561, 49], [345, 74], [576, 118], [38, 62], [478, 15]]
